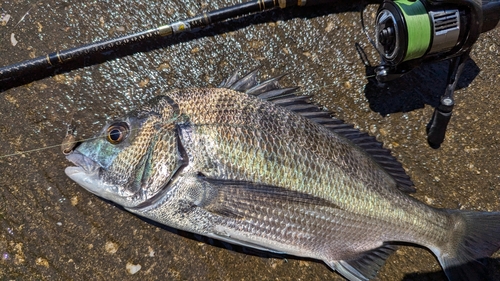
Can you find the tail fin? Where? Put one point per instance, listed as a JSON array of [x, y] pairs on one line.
[[477, 238]]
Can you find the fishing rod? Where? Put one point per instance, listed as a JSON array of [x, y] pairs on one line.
[[59, 58]]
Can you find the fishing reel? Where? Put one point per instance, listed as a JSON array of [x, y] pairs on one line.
[[410, 33]]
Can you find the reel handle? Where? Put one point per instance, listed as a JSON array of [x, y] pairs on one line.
[[436, 129]]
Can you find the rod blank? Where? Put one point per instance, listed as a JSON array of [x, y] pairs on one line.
[[60, 58]]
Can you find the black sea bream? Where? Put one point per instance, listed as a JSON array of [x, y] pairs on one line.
[[254, 165]]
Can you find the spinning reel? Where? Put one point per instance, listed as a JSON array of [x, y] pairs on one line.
[[412, 32]]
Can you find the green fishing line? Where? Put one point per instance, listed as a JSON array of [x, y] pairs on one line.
[[418, 27]]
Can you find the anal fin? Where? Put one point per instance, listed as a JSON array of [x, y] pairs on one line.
[[366, 266]]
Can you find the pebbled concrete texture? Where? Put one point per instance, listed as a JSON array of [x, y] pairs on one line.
[[51, 229]]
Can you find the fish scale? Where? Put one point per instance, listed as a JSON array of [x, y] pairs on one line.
[[254, 165], [222, 138], [313, 232], [324, 174]]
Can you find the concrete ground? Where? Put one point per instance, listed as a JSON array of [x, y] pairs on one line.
[[52, 229]]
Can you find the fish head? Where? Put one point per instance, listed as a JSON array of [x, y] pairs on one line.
[[132, 159]]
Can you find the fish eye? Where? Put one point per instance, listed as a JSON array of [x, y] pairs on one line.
[[117, 132]]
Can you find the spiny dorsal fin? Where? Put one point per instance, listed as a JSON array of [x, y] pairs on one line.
[[270, 90]]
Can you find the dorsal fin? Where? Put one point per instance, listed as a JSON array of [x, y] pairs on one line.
[[270, 90]]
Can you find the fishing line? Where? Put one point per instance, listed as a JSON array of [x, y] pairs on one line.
[[53, 146], [372, 42], [76, 141], [19, 153], [418, 28]]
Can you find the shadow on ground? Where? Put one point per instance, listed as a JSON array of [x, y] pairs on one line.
[[422, 86]]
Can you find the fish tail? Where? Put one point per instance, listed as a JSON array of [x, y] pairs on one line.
[[475, 236]]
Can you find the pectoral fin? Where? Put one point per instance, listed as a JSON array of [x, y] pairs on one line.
[[240, 199]]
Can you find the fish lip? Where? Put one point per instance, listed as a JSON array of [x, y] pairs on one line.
[[88, 165], [83, 177], [85, 173]]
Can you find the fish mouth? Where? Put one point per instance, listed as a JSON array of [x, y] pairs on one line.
[[82, 177], [82, 162], [86, 174]]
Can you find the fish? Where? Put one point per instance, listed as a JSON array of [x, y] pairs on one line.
[[259, 165]]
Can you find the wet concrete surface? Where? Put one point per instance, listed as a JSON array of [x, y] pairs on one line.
[[52, 229]]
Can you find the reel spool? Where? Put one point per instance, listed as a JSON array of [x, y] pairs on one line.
[[405, 30], [413, 32]]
